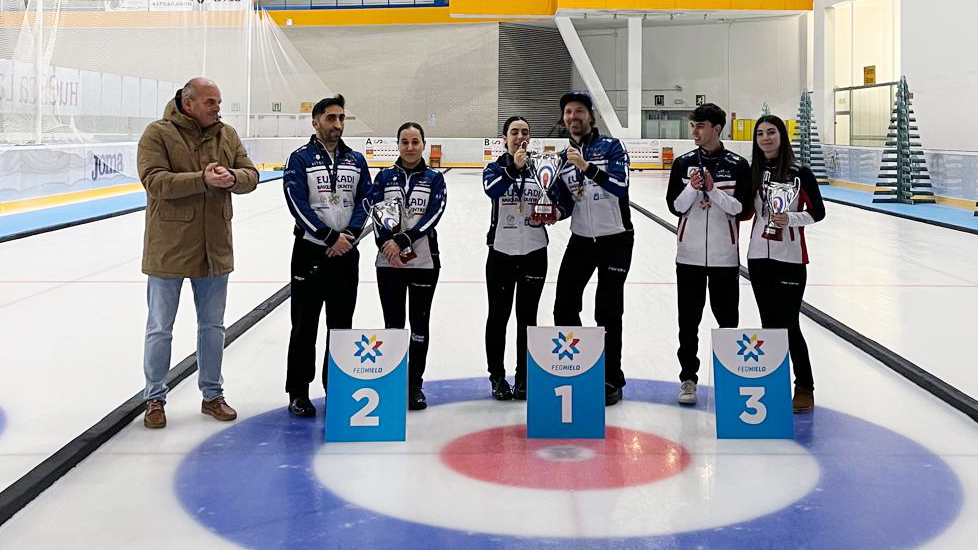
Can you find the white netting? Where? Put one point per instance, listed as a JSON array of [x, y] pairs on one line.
[[104, 69]]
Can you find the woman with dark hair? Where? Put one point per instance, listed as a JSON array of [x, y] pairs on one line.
[[517, 259], [777, 266], [407, 262]]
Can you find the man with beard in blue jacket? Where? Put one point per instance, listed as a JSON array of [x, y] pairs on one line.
[[592, 189]]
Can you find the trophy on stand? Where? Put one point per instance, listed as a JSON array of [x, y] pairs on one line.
[[386, 214], [545, 166], [777, 199]]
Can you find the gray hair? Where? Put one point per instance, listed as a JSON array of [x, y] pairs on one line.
[[189, 90]]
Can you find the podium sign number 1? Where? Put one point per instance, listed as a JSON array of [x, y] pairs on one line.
[[565, 382], [752, 383]]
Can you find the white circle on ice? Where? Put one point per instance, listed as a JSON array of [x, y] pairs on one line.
[[726, 482], [566, 453]]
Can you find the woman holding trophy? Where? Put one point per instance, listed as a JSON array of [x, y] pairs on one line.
[[786, 198], [517, 260], [407, 201]]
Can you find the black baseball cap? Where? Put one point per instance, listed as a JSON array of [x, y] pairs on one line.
[[580, 97]]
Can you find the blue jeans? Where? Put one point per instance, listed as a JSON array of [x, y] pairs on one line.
[[163, 297]]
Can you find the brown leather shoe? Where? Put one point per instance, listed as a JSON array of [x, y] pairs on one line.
[[803, 401], [219, 409], [155, 417]]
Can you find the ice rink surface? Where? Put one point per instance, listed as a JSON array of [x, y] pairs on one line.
[[880, 463]]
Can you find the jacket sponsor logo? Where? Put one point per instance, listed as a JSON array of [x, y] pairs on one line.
[[323, 179], [106, 165]]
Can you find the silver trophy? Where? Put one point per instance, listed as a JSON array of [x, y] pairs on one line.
[[386, 214], [546, 166], [778, 197]]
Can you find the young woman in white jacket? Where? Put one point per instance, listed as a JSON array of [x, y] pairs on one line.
[[777, 267]]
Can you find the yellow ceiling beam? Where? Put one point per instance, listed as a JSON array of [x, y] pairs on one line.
[[709, 5], [503, 8], [372, 16]]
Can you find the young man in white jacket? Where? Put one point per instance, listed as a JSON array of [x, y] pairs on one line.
[[708, 188]]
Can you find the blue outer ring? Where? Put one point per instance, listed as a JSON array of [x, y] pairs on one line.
[[255, 484], [3, 421]]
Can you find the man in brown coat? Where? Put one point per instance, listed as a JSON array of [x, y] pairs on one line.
[[190, 163]]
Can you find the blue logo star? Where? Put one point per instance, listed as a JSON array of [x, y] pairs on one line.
[[750, 348], [368, 349], [566, 346]]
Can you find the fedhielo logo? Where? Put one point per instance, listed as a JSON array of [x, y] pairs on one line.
[[368, 349], [566, 346], [750, 347]]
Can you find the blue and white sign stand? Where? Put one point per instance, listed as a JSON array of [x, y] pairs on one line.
[[366, 398], [752, 387], [565, 382]]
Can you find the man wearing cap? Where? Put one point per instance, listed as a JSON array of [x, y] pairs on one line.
[[592, 189], [325, 183]]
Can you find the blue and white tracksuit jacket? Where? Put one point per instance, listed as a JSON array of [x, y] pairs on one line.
[[514, 193], [326, 195], [423, 196], [597, 198]]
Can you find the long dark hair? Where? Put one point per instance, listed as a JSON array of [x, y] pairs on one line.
[[510, 121], [407, 125], [786, 157]]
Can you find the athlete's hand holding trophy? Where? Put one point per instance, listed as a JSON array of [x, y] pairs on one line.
[[386, 214], [777, 199], [545, 166]]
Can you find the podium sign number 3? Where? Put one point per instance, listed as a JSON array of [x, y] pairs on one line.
[[752, 383]]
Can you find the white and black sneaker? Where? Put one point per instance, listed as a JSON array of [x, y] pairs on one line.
[[687, 393]]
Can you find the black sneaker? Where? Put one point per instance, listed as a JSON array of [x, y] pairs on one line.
[[612, 395], [301, 406], [500, 389], [416, 400], [519, 390]]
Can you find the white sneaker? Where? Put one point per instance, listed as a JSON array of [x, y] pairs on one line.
[[687, 393]]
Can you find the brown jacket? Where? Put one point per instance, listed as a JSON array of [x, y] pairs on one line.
[[188, 223]]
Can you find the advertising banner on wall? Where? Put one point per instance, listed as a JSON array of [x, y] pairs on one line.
[[60, 89], [198, 5], [41, 170], [172, 5], [126, 5]]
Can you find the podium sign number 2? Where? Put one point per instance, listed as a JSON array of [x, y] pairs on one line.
[[366, 399]]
